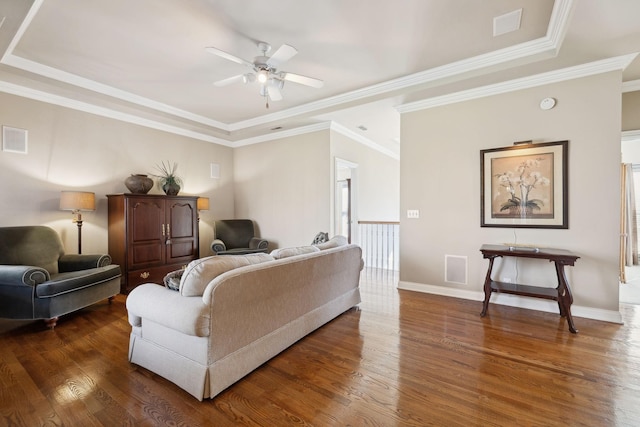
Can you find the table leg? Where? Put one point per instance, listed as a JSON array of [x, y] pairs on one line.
[[487, 288], [565, 298]]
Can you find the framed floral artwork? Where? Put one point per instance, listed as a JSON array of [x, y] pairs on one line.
[[525, 186]]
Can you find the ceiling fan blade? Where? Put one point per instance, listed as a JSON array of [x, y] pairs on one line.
[[283, 54], [228, 56], [230, 80], [303, 80], [274, 93]]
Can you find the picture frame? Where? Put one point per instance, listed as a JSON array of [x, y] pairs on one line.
[[525, 186]]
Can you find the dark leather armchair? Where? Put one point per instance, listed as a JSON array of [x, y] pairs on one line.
[[236, 236], [38, 281]]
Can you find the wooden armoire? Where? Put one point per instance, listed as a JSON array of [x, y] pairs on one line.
[[151, 235]]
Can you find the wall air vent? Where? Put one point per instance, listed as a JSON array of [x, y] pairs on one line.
[[455, 269], [14, 140], [215, 170]]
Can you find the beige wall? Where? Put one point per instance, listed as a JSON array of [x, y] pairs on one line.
[[69, 149], [631, 111], [284, 186], [631, 122], [440, 176], [378, 178], [287, 185]]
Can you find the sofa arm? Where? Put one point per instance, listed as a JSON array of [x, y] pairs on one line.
[[189, 315], [21, 275], [72, 262], [258, 243], [218, 246]]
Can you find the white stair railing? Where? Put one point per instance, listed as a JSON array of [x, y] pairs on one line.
[[379, 241]]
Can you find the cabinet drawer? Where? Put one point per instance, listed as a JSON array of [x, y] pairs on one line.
[[150, 275]]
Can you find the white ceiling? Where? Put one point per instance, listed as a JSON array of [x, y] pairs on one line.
[[144, 61]]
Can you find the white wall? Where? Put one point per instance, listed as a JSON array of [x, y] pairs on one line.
[[440, 176], [69, 149]]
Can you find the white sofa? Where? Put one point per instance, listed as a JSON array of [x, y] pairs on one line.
[[250, 308]]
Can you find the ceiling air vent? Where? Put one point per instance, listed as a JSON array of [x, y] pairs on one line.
[[507, 23]]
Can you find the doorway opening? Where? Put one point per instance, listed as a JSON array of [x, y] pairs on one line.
[[345, 197], [630, 279]]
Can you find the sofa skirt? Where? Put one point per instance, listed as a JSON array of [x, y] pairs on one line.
[[206, 380]]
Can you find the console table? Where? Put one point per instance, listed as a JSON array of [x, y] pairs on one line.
[[561, 294]]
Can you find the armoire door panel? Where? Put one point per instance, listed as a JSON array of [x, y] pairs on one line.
[[182, 218], [146, 254], [179, 249], [146, 219]]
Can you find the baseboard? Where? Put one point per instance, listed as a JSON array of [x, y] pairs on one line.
[[514, 301]]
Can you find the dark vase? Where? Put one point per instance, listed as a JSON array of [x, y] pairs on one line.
[[171, 189], [138, 183]]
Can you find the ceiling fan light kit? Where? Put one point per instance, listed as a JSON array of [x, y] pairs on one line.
[[264, 71]]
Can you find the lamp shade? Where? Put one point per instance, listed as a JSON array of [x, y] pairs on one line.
[[77, 201], [203, 203]]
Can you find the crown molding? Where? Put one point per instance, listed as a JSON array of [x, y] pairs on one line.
[[8, 58], [559, 22], [93, 86], [61, 101], [33, 10], [427, 76], [631, 135], [558, 25], [631, 86], [555, 76], [343, 130], [329, 125], [549, 44], [283, 134]]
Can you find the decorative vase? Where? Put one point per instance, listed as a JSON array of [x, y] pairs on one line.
[[171, 189], [138, 183]]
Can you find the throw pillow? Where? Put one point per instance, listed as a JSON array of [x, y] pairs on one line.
[[321, 237], [172, 280], [287, 252], [201, 271]]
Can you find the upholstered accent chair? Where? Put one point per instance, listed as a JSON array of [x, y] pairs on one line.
[[237, 237], [39, 281]]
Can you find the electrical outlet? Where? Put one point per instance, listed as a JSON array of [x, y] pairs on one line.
[[413, 213]]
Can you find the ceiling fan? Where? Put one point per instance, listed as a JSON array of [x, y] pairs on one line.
[[264, 70]]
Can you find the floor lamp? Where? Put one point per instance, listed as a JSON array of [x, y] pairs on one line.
[[77, 201]]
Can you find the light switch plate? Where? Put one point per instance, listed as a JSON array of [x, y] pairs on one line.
[[413, 213]]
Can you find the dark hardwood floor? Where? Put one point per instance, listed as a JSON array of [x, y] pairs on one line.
[[400, 358]]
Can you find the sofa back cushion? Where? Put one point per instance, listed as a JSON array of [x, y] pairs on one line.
[[201, 271], [32, 245]]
